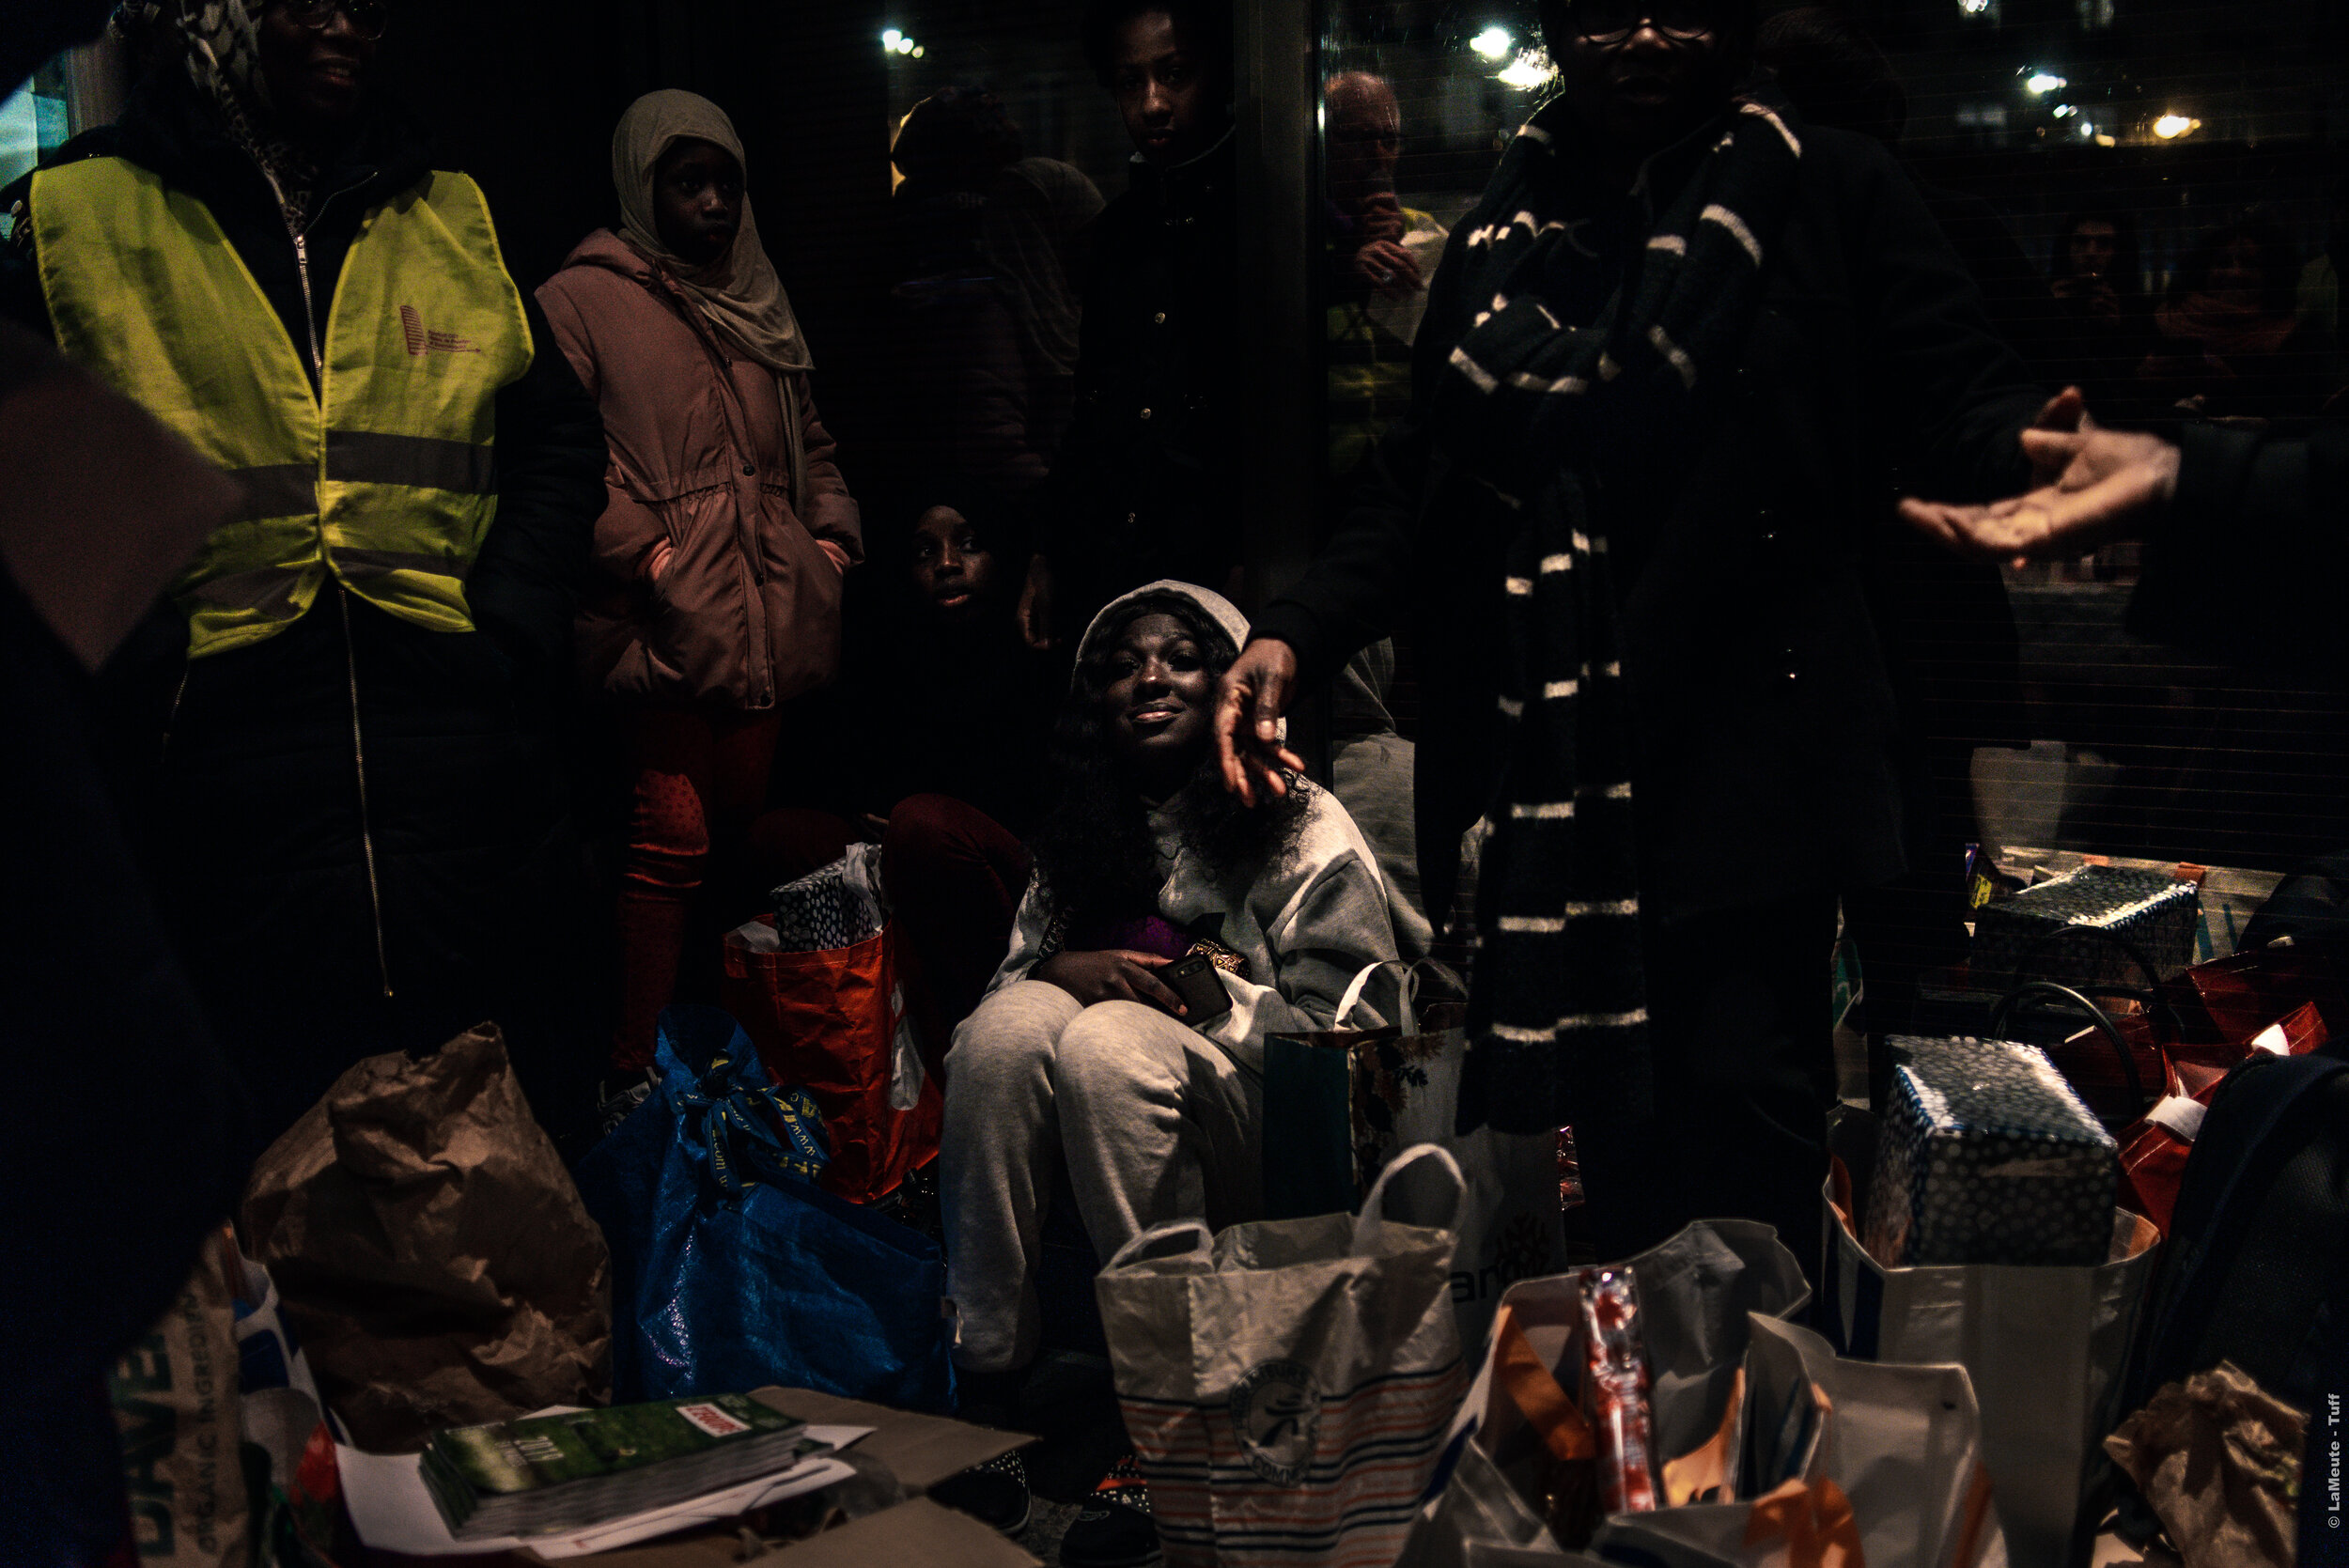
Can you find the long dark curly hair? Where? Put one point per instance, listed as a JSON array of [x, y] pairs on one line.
[[1095, 857]]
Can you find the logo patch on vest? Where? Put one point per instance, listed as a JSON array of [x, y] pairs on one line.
[[422, 342]]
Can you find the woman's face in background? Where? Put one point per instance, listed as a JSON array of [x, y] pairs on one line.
[[953, 572], [697, 200]]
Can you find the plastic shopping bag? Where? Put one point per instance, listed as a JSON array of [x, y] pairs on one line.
[[827, 1011], [730, 1270], [1772, 1452]]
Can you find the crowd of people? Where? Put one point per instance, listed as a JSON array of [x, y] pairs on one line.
[[1615, 453]]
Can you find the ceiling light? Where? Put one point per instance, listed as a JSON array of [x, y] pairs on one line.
[[890, 37], [2045, 82], [2171, 127], [1973, 8], [916, 51], [2063, 111], [1528, 70], [1493, 42]]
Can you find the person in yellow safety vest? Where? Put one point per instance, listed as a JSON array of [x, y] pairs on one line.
[[340, 726]]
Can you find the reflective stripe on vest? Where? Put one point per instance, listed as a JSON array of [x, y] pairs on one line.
[[386, 476]]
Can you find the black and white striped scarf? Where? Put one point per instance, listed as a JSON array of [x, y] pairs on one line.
[[223, 56], [1531, 414]]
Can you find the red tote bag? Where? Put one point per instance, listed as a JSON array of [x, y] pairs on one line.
[[827, 1022]]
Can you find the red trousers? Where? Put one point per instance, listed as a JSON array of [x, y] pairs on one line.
[[700, 854]]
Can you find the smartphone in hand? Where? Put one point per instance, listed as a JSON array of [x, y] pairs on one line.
[[1198, 982]]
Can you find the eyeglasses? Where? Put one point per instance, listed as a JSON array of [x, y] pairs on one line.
[[368, 18], [1609, 22]]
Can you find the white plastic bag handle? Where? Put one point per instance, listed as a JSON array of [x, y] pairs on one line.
[[1407, 993], [1203, 1240], [1374, 1215]]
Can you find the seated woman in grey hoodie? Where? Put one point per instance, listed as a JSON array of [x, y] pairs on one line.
[[1082, 1053]]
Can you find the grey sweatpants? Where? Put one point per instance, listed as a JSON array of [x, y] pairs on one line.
[[1153, 1121]]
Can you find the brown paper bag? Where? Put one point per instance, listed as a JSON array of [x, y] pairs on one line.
[[176, 1406], [430, 1248]]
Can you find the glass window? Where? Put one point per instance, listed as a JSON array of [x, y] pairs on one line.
[[2152, 196], [33, 119]]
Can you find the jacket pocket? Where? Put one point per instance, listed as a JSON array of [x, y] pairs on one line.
[[801, 599]]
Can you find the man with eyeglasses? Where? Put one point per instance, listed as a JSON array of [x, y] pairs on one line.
[[338, 731], [1670, 369]]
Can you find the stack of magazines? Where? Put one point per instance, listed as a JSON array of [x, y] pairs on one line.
[[542, 1474]]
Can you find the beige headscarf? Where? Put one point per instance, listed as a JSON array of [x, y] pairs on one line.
[[740, 291]]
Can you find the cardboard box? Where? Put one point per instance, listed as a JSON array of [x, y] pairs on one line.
[[920, 1450]]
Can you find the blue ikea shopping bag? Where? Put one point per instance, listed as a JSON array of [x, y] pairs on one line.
[[729, 1271]]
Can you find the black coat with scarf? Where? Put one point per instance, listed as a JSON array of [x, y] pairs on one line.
[[1767, 732], [252, 819]]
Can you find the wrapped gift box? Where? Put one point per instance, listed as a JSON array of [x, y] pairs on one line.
[[1987, 1156], [2081, 928]]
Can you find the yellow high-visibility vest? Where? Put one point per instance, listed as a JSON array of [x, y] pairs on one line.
[[384, 477]]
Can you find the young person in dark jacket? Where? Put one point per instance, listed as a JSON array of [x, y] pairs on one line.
[[345, 765], [1145, 486], [1667, 372], [947, 723]]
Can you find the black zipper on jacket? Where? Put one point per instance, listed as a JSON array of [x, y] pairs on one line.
[[342, 603], [359, 757]]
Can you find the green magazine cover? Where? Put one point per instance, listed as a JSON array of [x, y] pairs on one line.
[[550, 1471]]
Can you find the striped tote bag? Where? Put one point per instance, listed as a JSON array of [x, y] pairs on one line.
[[1288, 1384]]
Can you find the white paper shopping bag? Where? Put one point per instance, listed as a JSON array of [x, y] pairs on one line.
[[2045, 1348], [1287, 1384]]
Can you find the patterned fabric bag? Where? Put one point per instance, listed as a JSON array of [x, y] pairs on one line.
[[1287, 1384]]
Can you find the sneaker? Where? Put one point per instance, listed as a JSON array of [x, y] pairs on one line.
[[1113, 1528], [620, 1094], [995, 1493]]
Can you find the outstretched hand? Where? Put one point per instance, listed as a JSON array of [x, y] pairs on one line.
[[2066, 411], [1256, 691], [2108, 485]]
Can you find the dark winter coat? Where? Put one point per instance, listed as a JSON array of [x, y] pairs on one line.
[[358, 825], [1768, 730], [1146, 485]]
